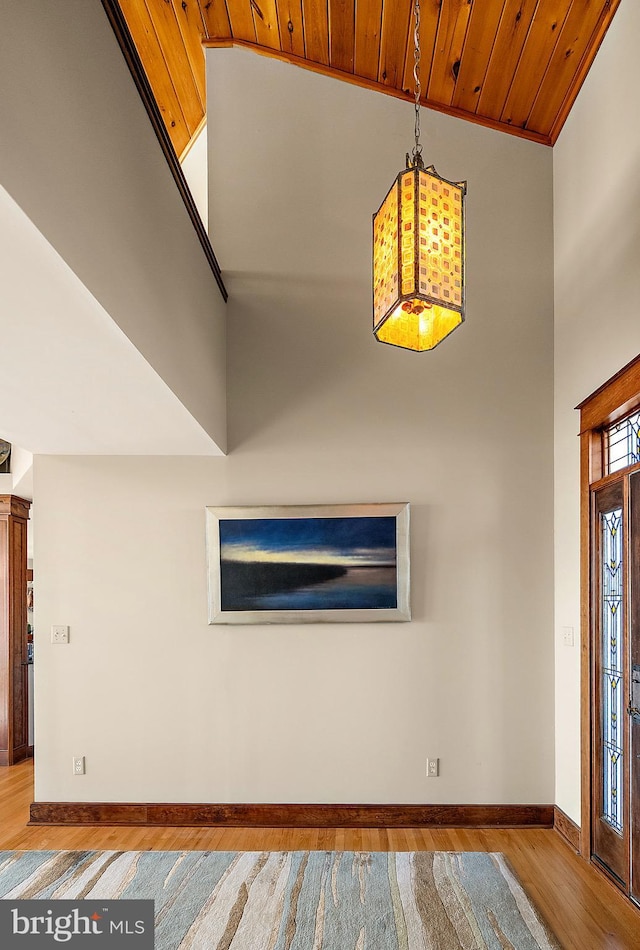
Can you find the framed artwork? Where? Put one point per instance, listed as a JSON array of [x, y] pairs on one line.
[[308, 563]]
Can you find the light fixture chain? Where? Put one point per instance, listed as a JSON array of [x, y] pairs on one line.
[[417, 150]]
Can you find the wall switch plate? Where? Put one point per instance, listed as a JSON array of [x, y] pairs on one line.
[[567, 636], [78, 765], [433, 768], [59, 633]]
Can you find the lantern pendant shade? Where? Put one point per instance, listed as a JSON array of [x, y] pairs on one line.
[[418, 259]]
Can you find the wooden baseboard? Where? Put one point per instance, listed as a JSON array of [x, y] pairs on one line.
[[566, 828], [292, 816]]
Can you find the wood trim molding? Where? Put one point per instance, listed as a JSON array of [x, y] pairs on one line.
[[586, 454], [566, 828], [613, 400], [15, 507], [292, 816], [14, 513], [130, 53]]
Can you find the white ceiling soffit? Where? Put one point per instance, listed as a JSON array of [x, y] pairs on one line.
[[71, 382]]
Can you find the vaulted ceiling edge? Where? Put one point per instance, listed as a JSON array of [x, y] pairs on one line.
[[512, 65]]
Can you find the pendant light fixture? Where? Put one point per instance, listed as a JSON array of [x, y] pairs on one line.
[[418, 248]]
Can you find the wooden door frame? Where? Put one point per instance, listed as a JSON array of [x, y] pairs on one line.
[[14, 738], [614, 400]]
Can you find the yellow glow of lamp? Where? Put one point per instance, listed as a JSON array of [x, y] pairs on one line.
[[418, 248], [418, 259]]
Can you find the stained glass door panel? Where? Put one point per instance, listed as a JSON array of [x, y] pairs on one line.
[[633, 708], [610, 727]]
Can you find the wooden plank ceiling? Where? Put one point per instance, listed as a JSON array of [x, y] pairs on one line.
[[514, 65]]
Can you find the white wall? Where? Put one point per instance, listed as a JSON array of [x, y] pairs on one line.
[[597, 328], [194, 166], [75, 383], [166, 707], [19, 481], [80, 158], [21, 469]]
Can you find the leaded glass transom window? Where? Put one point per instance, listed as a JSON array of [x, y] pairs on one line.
[[623, 443], [612, 685]]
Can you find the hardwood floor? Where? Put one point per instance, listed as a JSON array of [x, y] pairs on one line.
[[583, 909]]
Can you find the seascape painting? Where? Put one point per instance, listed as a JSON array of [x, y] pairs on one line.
[[308, 563]]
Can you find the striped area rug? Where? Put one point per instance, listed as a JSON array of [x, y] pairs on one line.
[[298, 900]]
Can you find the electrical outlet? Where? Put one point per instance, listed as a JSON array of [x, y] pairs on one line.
[[78, 765], [433, 768], [567, 636], [59, 633]]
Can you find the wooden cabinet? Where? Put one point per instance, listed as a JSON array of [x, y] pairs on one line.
[[14, 722]]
